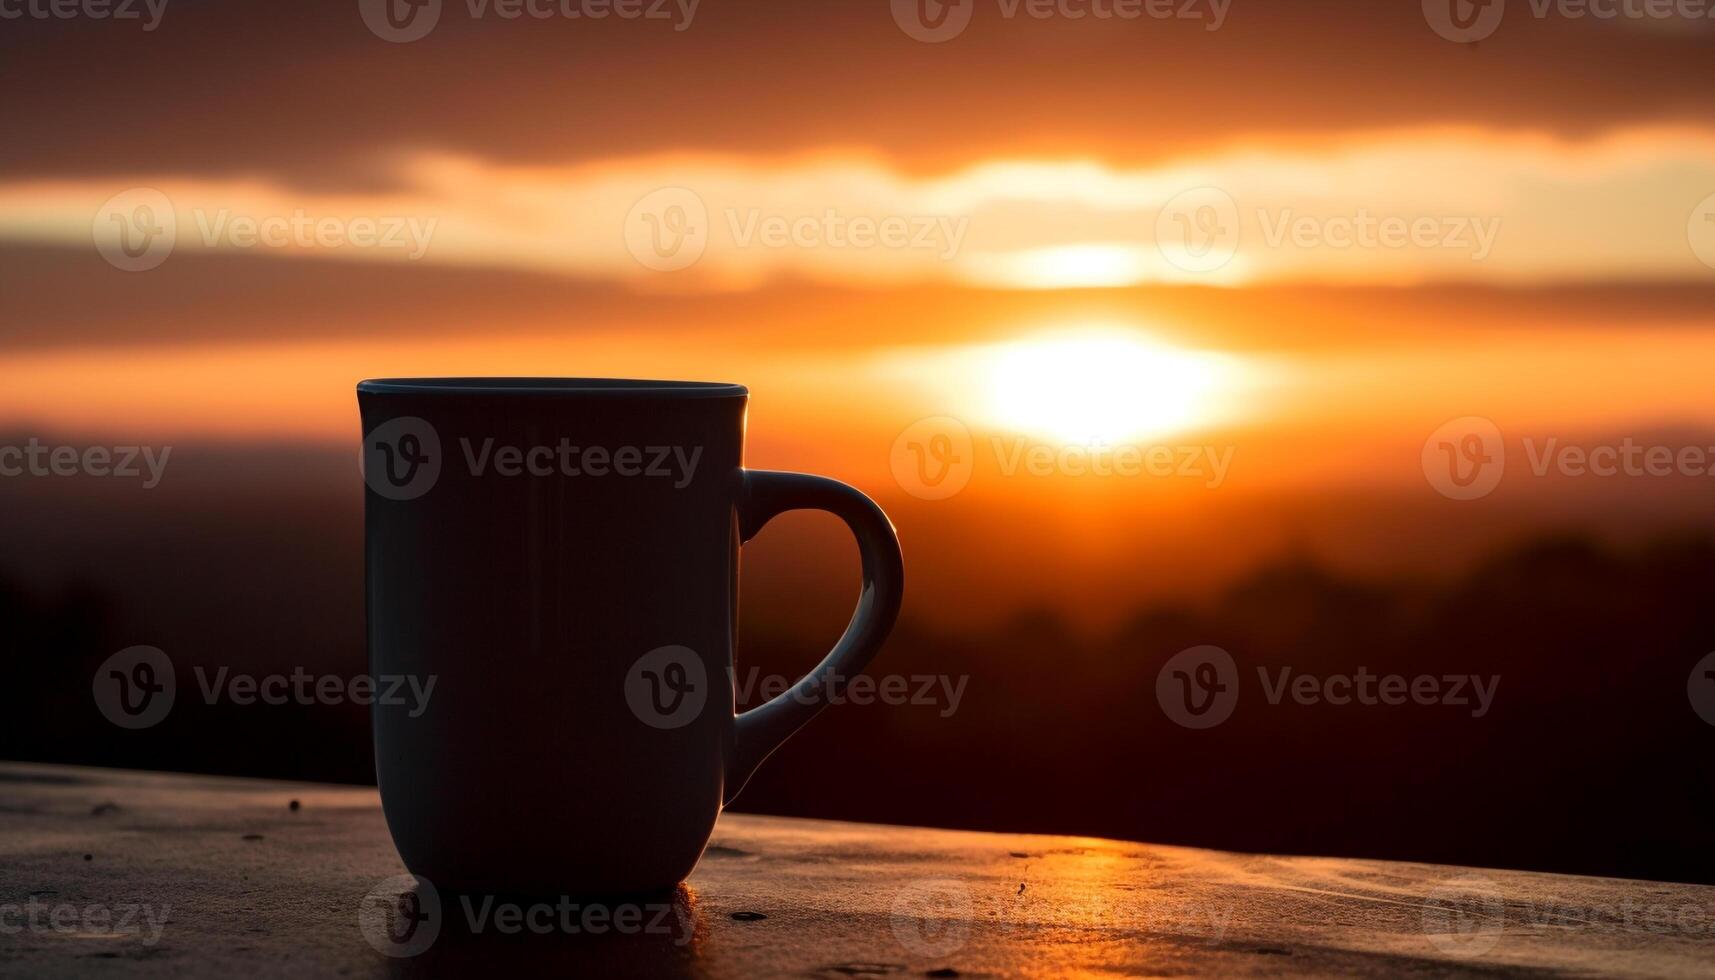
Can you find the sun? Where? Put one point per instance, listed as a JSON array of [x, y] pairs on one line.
[[1103, 386]]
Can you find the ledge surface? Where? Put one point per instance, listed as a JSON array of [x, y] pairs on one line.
[[213, 876]]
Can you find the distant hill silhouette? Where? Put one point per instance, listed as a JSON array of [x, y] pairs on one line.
[[1591, 758]]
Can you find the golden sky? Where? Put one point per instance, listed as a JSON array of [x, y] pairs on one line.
[[1304, 236], [1396, 207]]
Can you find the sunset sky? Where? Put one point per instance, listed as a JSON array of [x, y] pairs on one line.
[[1306, 235]]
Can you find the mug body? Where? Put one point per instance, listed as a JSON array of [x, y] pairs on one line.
[[558, 557]]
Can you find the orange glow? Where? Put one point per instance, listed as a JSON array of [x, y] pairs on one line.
[[1031, 301], [1489, 202], [1103, 387]]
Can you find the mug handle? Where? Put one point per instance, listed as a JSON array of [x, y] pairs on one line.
[[764, 495]]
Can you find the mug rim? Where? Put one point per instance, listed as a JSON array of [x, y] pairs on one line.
[[562, 387]]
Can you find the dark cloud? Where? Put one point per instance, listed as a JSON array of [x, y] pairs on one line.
[[60, 298], [306, 93]]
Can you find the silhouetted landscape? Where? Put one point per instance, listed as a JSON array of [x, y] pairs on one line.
[[1589, 760]]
